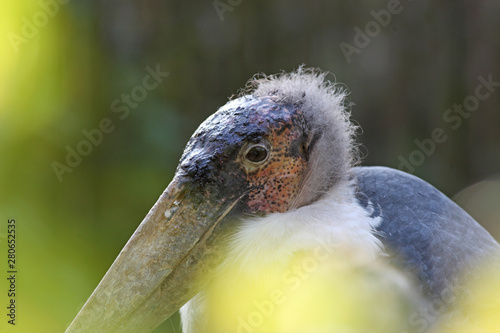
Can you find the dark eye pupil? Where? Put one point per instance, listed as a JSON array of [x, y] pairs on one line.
[[256, 154]]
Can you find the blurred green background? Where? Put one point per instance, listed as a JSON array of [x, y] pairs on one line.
[[67, 65]]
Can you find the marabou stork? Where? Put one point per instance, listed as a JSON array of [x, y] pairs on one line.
[[267, 183]]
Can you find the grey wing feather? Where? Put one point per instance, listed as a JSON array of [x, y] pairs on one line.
[[428, 234]]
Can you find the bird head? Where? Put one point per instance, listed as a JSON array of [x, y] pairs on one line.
[[252, 149], [279, 146]]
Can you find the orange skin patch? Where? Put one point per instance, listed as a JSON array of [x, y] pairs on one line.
[[279, 180]]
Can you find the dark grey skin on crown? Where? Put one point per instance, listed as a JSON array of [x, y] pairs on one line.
[[432, 236]]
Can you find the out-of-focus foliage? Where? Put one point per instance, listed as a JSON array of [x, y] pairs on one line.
[[478, 311], [325, 290], [67, 65]]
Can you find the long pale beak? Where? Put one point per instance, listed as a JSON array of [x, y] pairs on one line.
[[158, 270]]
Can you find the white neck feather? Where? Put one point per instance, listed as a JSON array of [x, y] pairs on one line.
[[336, 224]]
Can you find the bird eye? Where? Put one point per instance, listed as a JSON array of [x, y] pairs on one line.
[[256, 154]]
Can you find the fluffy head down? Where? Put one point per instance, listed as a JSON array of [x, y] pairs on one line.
[[327, 117]]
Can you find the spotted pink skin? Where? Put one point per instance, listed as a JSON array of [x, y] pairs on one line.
[[275, 184]]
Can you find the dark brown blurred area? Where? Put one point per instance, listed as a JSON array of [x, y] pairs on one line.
[[427, 58]]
